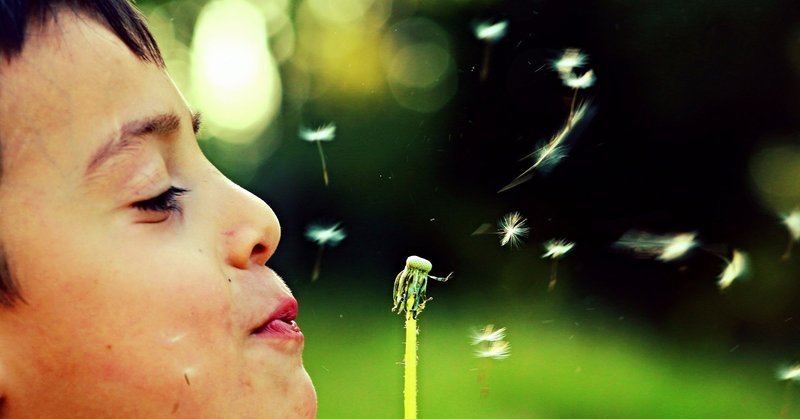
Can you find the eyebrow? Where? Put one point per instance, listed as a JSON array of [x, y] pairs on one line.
[[159, 125]]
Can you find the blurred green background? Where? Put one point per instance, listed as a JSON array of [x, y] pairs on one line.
[[695, 128]]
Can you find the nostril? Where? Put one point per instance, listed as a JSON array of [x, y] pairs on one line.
[[259, 250]]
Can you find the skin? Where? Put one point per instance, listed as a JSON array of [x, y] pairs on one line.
[[129, 312]]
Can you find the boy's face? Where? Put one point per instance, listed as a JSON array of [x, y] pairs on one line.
[[141, 300]]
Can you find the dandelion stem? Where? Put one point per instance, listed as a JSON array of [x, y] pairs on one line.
[[483, 377], [317, 264], [553, 272], [324, 166], [408, 295], [487, 55], [787, 403], [572, 108], [410, 384], [789, 246]]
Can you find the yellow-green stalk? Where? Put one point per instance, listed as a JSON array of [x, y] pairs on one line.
[[410, 361], [410, 287]]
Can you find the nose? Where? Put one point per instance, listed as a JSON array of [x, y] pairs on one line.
[[251, 229]]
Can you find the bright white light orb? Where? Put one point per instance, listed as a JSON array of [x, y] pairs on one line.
[[235, 81]]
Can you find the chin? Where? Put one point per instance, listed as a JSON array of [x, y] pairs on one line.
[[308, 407], [300, 399]]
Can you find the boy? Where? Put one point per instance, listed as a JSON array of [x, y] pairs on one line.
[[133, 280]]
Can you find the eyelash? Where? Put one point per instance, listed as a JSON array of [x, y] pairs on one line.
[[165, 202]]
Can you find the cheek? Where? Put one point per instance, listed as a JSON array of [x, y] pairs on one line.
[[154, 330]]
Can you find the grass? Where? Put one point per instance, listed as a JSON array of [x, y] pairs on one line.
[[557, 369]]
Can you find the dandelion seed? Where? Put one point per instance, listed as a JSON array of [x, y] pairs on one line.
[[735, 268], [577, 83], [570, 59], [322, 235], [512, 229], [557, 248], [554, 250], [553, 151], [488, 334], [678, 246], [790, 373], [663, 247], [324, 133], [585, 81], [330, 235], [547, 156], [490, 345], [792, 223], [489, 33], [497, 350]]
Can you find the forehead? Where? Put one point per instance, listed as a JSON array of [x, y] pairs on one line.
[[74, 81]]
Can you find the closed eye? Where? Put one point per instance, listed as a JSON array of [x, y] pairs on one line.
[[165, 202]]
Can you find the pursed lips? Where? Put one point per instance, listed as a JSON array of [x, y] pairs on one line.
[[280, 324]]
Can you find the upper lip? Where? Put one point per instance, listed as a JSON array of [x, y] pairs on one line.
[[286, 311]]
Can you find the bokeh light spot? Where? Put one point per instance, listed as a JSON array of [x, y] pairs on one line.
[[332, 57], [235, 80], [775, 170], [419, 65], [340, 11]]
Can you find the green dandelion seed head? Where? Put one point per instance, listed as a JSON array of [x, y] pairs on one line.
[[417, 262]]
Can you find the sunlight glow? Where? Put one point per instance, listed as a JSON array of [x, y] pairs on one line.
[[235, 80], [343, 11]]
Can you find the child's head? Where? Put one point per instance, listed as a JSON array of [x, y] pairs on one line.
[[134, 280]]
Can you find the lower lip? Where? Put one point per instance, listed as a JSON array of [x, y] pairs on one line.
[[280, 329]]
